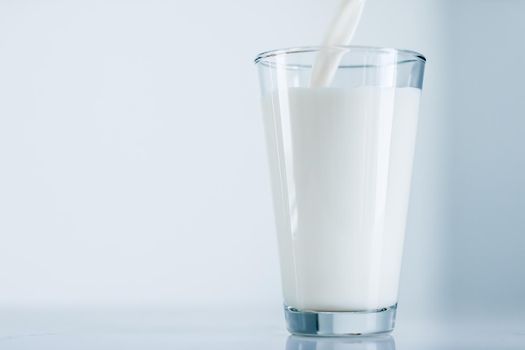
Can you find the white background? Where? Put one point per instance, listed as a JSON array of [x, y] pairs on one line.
[[133, 168]]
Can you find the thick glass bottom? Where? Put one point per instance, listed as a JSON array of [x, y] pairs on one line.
[[337, 324]]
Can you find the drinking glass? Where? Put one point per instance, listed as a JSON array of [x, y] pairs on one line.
[[340, 160]]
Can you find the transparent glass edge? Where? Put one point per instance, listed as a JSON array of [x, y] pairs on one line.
[[306, 49]]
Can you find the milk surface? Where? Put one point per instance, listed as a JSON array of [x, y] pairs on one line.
[[340, 162]]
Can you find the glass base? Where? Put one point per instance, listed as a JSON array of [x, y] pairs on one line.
[[337, 324]]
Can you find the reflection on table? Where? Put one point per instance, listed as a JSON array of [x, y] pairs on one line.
[[378, 342]]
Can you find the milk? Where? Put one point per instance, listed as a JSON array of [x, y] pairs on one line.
[[340, 32], [340, 162]]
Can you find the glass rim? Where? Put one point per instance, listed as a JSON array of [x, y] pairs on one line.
[[263, 56]]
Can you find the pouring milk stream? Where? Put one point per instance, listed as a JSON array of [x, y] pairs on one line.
[[341, 32]]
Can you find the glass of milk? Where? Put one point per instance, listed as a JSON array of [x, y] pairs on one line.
[[340, 159]]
